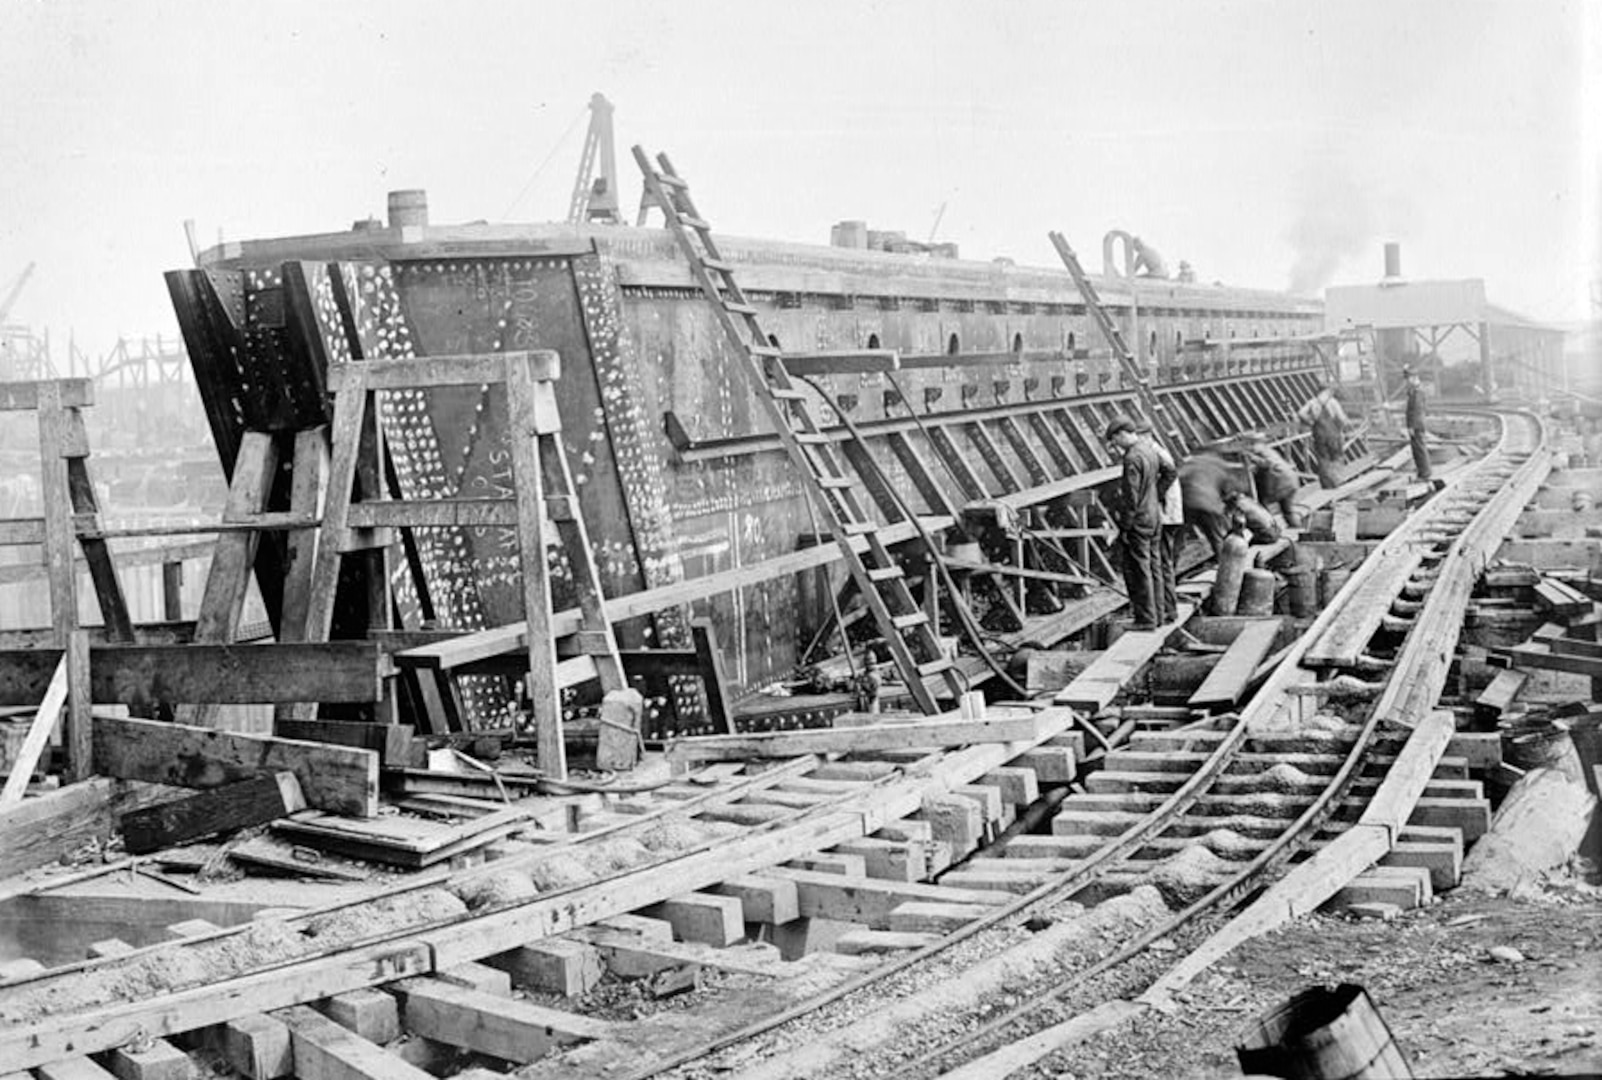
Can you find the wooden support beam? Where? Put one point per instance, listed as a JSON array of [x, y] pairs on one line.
[[871, 900], [337, 671], [918, 733], [25, 396], [338, 779], [558, 965], [487, 1024], [1095, 687], [396, 744], [707, 918], [239, 805], [325, 1051]]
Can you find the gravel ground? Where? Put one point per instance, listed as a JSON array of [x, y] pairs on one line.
[[1453, 1007]]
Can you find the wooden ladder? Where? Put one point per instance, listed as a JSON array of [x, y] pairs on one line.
[[906, 628], [1150, 403], [542, 492]]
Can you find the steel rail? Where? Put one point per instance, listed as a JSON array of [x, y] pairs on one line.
[[1402, 679]]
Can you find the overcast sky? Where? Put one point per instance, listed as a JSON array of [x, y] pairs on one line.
[[1270, 144]]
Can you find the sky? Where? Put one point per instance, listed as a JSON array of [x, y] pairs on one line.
[[1270, 144]]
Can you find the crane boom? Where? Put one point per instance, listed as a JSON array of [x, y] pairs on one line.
[[16, 290]]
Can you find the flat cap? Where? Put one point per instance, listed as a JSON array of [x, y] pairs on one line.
[[1119, 425]]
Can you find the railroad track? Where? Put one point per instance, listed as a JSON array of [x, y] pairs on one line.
[[998, 953]]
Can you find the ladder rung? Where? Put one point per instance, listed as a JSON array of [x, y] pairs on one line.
[[885, 573], [667, 179], [692, 222], [784, 393], [812, 438], [858, 528], [907, 622], [835, 482], [718, 265], [764, 350], [934, 667], [738, 308]]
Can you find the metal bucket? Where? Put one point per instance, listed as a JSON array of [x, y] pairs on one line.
[[1330, 582], [1257, 592], [1325, 1033], [1302, 591]]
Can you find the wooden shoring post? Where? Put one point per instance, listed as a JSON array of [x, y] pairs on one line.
[[308, 484], [228, 579], [57, 503], [79, 733]]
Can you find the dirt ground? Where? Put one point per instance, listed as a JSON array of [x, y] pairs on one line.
[[1452, 1006]]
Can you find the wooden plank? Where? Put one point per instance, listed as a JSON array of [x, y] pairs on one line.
[[325, 1051], [339, 779], [419, 844], [889, 736], [1503, 690], [870, 900], [1347, 635], [396, 744], [505, 1028], [1546, 659], [38, 831], [265, 854], [338, 671], [1226, 684], [38, 737], [25, 396], [56, 499], [78, 729], [1095, 687], [233, 806]]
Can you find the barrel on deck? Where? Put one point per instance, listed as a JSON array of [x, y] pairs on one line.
[[1257, 592], [1324, 1033], [1301, 591], [1330, 582]]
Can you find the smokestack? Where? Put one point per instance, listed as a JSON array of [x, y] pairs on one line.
[[1393, 264], [408, 207]]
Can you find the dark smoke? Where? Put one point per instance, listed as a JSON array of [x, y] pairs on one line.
[[1334, 223]]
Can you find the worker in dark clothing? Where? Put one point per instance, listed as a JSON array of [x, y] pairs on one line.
[[1171, 535], [1137, 511], [1277, 479], [1250, 518], [1205, 481], [1327, 420], [1415, 424]]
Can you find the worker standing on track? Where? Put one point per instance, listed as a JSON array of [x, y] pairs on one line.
[[1138, 513], [1415, 424], [1171, 534], [1328, 422]]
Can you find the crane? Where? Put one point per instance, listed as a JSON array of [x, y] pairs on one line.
[[595, 197], [15, 291]]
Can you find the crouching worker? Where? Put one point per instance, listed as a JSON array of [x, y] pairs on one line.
[[1205, 481], [1277, 479], [1249, 517]]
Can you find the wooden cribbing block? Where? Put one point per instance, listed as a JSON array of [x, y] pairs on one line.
[[762, 899], [1050, 764], [956, 820], [369, 1012], [905, 829], [893, 860], [1499, 696], [161, 1060], [1003, 880], [1444, 861], [1471, 817], [484, 1023], [844, 865], [1018, 786], [191, 928], [558, 965], [325, 1051], [339, 779], [239, 805], [935, 917], [632, 956], [703, 917], [871, 900], [257, 1047], [880, 942]]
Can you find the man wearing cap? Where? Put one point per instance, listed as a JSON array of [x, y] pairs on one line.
[[1415, 423], [1137, 511], [1171, 536], [1277, 479]]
